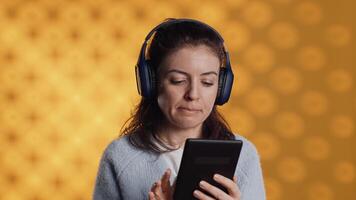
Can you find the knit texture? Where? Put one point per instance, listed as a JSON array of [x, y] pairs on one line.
[[127, 173]]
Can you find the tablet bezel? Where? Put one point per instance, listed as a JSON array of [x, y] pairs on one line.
[[201, 159]]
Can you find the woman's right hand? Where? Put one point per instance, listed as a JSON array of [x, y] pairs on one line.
[[161, 189]]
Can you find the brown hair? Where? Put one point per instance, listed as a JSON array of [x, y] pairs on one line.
[[143, 124]]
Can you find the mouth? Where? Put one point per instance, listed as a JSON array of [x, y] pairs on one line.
[[192, 110]]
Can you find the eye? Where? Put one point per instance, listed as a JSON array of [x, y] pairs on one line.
[[177, 82], [208, 84]]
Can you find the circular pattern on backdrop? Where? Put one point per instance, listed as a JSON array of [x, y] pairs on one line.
[[283, 1], [342, 126], [73, 13], [212, 12], [236, 35], [241, 121], [289, 125], [344, 172], [11, 116], [166, 10], [267, 144], [10, 36], [339, 80], [56, 58], [259, 58], [286, 80], [308, 13], [311, 58], [32, 13], [292, 170], [316, 147], [320, 191], [261, 102], [314, 103], [235, 3], [283, 35], [257, 14], [338, 35], [243, 81]]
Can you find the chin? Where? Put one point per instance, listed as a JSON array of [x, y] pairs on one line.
[[184, 124]]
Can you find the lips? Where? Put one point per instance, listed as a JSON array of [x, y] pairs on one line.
[[190, 109]]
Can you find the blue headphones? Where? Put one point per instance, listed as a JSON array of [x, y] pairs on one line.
[[145, 75]]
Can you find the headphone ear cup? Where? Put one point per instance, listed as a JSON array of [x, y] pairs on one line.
[[226, 79], [220, 86], [152, 78], [145, 78]]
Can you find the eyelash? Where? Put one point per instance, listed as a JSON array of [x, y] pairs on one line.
[[174, 82], [208, 84]]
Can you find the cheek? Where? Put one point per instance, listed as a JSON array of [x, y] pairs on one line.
[[209, 96], [168, 97]]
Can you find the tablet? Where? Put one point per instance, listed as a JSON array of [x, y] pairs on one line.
[[201, 160]]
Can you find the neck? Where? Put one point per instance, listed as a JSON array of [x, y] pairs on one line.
[[176, 137]]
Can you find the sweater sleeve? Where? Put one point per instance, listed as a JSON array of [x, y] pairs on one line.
[[106, 185], [254, 189]]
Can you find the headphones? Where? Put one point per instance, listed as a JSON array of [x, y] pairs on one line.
[[145, 75]]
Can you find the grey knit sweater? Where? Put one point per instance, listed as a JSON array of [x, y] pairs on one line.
[[127, 173]]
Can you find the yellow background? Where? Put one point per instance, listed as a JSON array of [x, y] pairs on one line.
[[67, 85]]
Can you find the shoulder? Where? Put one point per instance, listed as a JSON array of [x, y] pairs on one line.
[[248, 148], [119, 146], [120, 153], [249, 168], [249, 157]]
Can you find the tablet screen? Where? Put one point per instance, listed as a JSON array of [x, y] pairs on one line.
[[201, 160]]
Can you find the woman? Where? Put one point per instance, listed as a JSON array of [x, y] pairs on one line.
[[183, 74]]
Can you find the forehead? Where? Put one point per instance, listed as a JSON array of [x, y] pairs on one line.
[[192, 59]]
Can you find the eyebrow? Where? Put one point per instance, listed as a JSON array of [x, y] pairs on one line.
[[185, 73]]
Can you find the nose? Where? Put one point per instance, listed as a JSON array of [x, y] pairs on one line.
[[193, 92]]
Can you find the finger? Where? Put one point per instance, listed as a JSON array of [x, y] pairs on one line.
[[229, 184], [153, 186], [154, 191], [235, 179], [238, 189], [214, 191], [158, 191], [200, 195], [151, 196], [165, 181]]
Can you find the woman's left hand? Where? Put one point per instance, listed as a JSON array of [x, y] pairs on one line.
[[230, 185], [161, 190]]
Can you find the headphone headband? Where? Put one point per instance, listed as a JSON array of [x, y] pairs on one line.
[[175, 21], [171, 21]]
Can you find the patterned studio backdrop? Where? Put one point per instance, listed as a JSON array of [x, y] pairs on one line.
[[67, 85]]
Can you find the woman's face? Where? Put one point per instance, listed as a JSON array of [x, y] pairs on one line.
[[188, 86]]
